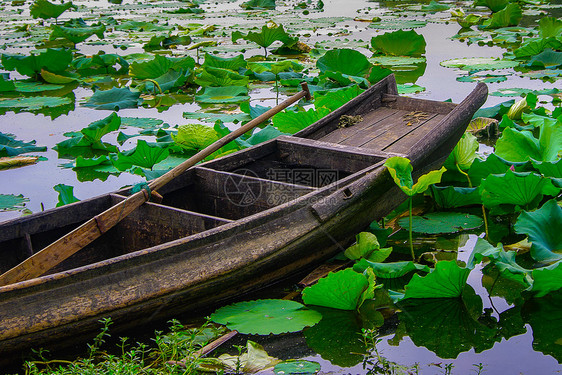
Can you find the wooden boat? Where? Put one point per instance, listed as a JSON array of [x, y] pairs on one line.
[[228, 226]]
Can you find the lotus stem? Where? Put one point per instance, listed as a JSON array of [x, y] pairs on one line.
[[466, 175], [155, 84], [485, 221], [410, 231]]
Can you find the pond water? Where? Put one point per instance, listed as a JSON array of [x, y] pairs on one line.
[[509, 338]]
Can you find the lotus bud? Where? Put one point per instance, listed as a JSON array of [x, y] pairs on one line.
[[516, 110]]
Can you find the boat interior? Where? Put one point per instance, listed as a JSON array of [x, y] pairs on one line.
[[227, 189]]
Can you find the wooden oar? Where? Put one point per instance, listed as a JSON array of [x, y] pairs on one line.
[[50, 256]]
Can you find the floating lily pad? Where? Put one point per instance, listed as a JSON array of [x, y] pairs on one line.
[[391, 270], [66, 194], [262, 317], [442, 222], [228, 94], [114, 99], [299, 366], [479, 63], [410, 88], [11, 202], [397, 24], [33, 103], [10, 146], [195, 136], [523, 92]]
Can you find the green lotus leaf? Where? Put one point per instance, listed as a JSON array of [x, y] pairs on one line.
[[399, 43], [296, 366], [492, 165], [344, 60], [434, 7], [367, 247], [442, 222], [173, 79], [258, 4], [549, 169], [533, 47], [392, 270], [57, 79], [52, 60], [262, 317], [66, 194], [97, 129], [342, 290], [518, 146], [469, 20], [503, 260], [5, 84], [397, 24], [11, 202], [550, 27], [77, 34], [195, 136], [479, 63], [45, 9], [141, 26], [496, 111], [269, 33], [265, 134], [159, 66], [114, 99], [410, 89], [493, 5], [228, 94], [547, 59], [335, 98], [508, 16], [342, 346], [292, 122], [213, 117], [275, 67], [488, 78], [538, 120], [448, 326], [34, 86], [219, 77], [447, 280], [230, 63], [33, 103], [523, 92], [547, 279], [176, 40], [452, 196], [400, 62], [544, 228], [342, 80], [101, 63], [464, 153], [144, 155], [401, 171], [524, 190]]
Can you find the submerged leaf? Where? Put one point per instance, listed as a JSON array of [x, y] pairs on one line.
[[442, 222]]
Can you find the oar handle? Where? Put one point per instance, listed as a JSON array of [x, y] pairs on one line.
[[64, 247]]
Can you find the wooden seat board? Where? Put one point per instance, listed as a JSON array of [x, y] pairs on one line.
[[405, 143], [369, 120], [384, 133]]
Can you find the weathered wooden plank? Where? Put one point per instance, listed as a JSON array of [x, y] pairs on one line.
[[414, 104], [370, 119], [403, 126], [406, 142]]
